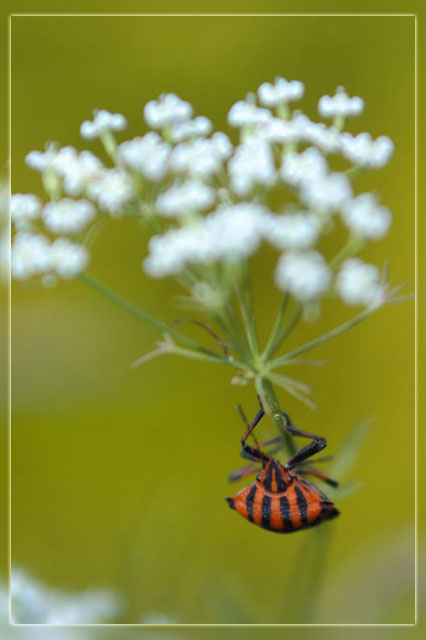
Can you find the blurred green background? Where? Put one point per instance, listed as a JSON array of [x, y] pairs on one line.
[[119, 474]]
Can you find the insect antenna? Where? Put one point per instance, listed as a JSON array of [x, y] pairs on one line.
[[247, 425]]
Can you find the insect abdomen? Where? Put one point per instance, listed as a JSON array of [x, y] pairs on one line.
[[292, 510]]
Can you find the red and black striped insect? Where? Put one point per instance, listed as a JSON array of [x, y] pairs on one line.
[[281, 499]]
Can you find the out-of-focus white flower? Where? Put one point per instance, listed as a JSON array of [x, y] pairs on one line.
[[247, 114], [328, 139], [112, 189], [229, 233], [252, 164], [198, 127], [298, 230], [68, 216], [298, 168], [103, 121], [34, 603], [76, 169], [363, 151], [358, 283], [365, 217], [30, 255], [340, 105], [149, 155], [304, 274], [202, 157], [279, 131], [42, 160], [281, 92], [326, 193], [186, 198], [166, 110], [24, 208], [68, 259], [221, 145]]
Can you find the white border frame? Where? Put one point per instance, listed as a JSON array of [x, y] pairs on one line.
[[249, 15]]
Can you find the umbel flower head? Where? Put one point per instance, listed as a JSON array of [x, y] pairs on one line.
[[207, 200]]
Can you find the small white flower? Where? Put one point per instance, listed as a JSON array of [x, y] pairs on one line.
[[200, 158], [326, 193], [112, 190], [363, 151], [246, 114], [182, 199], [358, 283], [298, 168], [42, 160], [149, 155], [340, 105], [235, 232], [30, 255], [281, 92], [196, 128], [305, 275], [279, 131], [229, 233], [252, 164], [299, 230], [68, 259], [365, 217], [221, 145], [24, 208], [76, 169], [103, 121], [328, 139], [68, 216], [166, 110]]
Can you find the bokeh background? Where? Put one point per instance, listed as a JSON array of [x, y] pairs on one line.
[[119, 474]]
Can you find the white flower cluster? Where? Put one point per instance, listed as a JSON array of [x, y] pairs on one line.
[[34, 603], [340, 105], [148, 155], [281, 92], [184, 199], [229, 233], [180, 171], [103, 121], [34, 255]]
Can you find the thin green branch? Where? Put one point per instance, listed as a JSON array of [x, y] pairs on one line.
[[285, 331], [161, 326], [245, 299], [271, 345], [294, 388], [278, 362]]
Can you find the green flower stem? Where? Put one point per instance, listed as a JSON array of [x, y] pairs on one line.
[[282, 333], [279, 362], [245, 300], [272, 407], [271, 345], [161, 326], [227, 324], [197, 355], [352, 246]]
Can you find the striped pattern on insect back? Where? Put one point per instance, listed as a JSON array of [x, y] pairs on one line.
[[274, 479], [250, 502], [266, 511], [302, 505]]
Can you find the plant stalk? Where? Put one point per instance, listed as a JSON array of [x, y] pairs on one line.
[[272, 407]]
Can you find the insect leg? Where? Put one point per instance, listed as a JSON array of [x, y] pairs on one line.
[[318, 443], [318, 474]]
